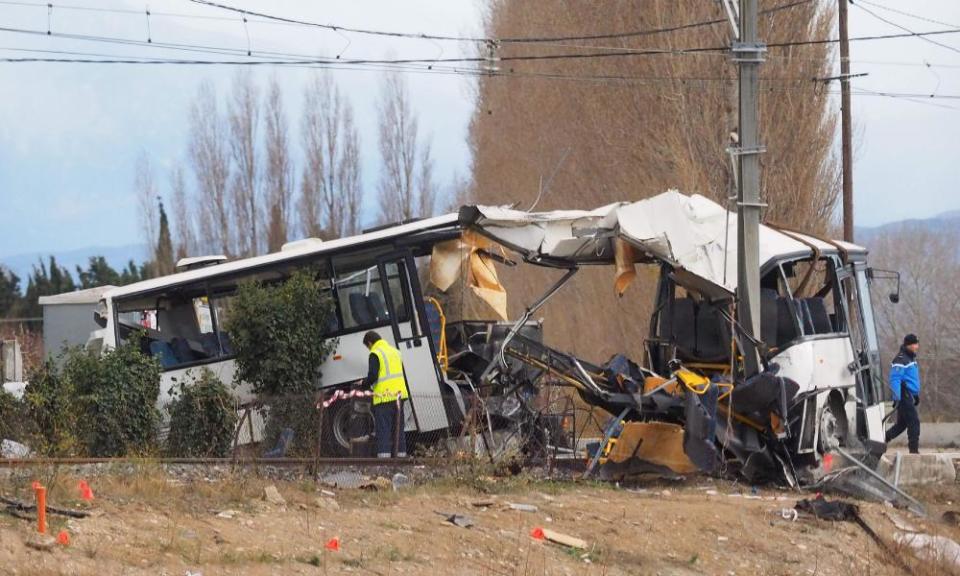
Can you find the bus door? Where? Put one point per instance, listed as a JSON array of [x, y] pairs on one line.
[[409, 332]]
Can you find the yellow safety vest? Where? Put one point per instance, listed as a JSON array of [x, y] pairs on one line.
[[390, 379]]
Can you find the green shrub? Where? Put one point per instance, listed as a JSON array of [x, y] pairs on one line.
[[118, 395], [96, 405], [202, 418], [15, 420], [278, 333], [51, 402]]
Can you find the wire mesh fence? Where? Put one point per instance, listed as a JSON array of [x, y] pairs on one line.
[[338, 424], [540, 427]]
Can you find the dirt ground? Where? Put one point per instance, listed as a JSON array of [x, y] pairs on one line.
[[149, 522]]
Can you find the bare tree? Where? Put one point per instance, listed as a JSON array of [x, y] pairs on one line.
[[147, 194], [426, 188], [929, 263], [279, 169], [244, 114], [627, 128], [348, 175], [185, 239], [330, 189], [210, 160], [401, 188]]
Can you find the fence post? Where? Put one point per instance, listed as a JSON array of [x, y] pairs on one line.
[[396, 427], [321, 405]]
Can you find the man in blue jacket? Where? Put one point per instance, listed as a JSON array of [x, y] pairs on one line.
[[905, 385]]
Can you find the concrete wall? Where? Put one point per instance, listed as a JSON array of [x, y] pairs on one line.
[[66, 323], [932, 435]]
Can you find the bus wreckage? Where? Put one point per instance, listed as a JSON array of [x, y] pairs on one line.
[[680, 402]]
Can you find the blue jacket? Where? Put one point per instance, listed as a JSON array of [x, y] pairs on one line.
[[904, 371]]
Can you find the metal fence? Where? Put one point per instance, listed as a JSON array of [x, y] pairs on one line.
[[542, 427], [341, 424]]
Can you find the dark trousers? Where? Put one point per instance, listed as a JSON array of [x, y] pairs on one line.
[[385, 420], [907, 419]]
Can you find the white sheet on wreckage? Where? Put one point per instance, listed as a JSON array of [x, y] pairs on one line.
[[692, 233]]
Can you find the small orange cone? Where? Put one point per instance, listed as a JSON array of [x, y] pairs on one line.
[[63, 538], [333, 544], [86, 493], [827, 462], [537, 534]]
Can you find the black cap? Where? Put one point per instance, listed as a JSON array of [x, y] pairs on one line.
[[910, 339]]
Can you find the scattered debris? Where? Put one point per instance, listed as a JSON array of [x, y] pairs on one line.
[[228, 514], [929, 547], [400, 481], [327, 493], [343, 479], [41, 542], [272, 495], [951, 517], [19, 506], [825, 509], [790, 514], [522, 507], [482, 503], [901, 524], [457, 519], [564, 539], [378, 483], [327, 503], [12, 449]]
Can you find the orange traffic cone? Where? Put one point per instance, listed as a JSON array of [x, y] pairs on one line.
[[63, 538], [86, 493], [333, 544], [537, 534]]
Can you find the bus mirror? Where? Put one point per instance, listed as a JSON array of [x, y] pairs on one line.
[[874, 273]]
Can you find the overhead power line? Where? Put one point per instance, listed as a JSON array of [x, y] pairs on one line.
[[482, 39], [905, 13], [905, 29], [301, 59]]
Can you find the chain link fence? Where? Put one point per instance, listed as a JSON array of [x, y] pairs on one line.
[[338, 424]]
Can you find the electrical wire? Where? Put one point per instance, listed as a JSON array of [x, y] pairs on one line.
[[905, 29], [905, 13], [483, 39]]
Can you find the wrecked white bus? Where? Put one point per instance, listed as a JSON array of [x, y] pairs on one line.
[[681, 397], [374, 285]]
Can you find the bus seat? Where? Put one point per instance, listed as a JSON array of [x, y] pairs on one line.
[[182, 350], [377, 307], [769, 317], [684, 327], [163, 352], [360, 309], [816, 317], [713, 334]]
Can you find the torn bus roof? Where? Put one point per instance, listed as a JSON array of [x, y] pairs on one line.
[[693, 234]]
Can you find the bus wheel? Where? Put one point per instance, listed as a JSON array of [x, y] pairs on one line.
[[833, 427], [341, 423]]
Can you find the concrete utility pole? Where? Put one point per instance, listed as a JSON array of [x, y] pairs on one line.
[[749, 53], [845, 125]]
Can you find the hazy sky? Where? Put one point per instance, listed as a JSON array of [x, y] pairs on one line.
[[69, 133]]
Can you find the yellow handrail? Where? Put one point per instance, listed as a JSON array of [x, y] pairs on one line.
[[442, 357]]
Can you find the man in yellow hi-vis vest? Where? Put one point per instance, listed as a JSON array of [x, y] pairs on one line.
[[385, 377]]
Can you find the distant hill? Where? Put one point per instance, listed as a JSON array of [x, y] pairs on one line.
[[117, 256], [941, 222]]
